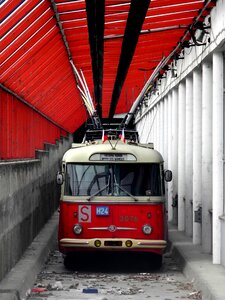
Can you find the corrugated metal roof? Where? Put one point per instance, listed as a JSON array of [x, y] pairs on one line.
[[116, 43]]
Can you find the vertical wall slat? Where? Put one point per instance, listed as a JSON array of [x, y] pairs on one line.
[[22, 129]]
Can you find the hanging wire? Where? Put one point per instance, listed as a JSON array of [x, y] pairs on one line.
[[152, 123]]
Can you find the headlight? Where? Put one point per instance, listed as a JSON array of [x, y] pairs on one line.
[[98, 243], [147, 229], [128, 243], [77, 229]]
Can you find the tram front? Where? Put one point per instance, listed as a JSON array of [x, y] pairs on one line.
[[112, 198]]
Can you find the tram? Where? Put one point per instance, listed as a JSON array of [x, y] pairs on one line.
[[112, 195]]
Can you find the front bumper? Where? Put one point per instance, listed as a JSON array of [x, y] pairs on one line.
[[113, 244]]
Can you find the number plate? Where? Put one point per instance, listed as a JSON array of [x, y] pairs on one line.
[[102, 211]]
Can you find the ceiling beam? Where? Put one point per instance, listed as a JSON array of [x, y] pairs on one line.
[[135, 20], [96, 16]]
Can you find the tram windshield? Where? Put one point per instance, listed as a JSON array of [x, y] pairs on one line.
[[113, 180]]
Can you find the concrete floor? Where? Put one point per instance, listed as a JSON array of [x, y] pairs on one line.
[[185, 272], [109, 276]]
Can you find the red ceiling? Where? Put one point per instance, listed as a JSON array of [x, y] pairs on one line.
[[35, 62]]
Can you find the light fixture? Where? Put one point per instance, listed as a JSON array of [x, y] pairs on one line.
[[197, 41], [178, 56], [147, 229], [200, 37], [77, 229], [202, 31], [145, 101], [173, 70]]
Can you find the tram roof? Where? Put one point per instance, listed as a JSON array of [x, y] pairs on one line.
[[118, 44], [142, 153]]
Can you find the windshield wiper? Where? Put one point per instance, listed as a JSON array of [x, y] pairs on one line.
[[99, 191], [125, 191]]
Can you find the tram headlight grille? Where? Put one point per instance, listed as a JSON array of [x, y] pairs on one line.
[[147, 229], [77, 229]]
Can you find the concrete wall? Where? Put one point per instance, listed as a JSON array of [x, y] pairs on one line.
[[28, 197], [187, 113], [223, 240]]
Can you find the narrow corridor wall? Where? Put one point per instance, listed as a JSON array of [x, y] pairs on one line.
[[199, 165], [29, 196]]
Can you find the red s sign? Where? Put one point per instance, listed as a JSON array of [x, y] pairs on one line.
[[84, 213]]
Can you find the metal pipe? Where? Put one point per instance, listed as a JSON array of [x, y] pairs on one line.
[[54, 7], [142, 93], [146, 31]]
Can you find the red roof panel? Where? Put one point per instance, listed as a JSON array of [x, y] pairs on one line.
[[36, 56]]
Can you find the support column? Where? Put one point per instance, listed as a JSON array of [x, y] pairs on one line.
[[197, 154], [137, 126], [155, 126], [158, 126], [181, 155], [147, 124], [145, 129], [161, 126], [165, 145], [217, 154], [189, 157], [141, 131], [151, 126], [174, 143], [170, 184], [165, 154], [148, 116], [206, 157]]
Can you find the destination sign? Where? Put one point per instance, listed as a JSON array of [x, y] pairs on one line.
[[112, 157]]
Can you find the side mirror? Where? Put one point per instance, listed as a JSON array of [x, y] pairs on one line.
[[59, 178], [168, 175]]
